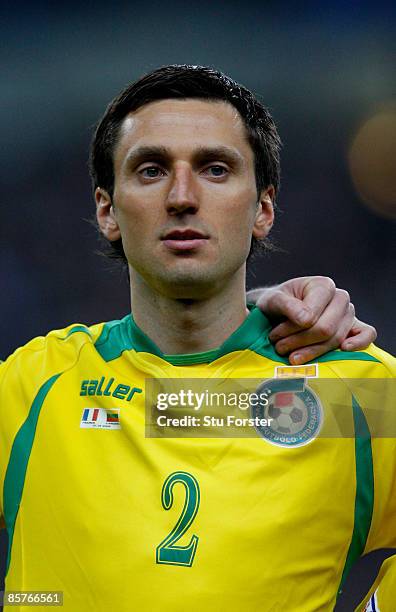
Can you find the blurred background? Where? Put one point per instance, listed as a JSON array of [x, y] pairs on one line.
[[325, 69]]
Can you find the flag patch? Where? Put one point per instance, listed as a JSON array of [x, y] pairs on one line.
[[100, 418]]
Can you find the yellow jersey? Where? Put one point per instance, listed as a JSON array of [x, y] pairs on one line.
[[117, 520]]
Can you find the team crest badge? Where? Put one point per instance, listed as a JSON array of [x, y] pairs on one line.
[[293, 411]]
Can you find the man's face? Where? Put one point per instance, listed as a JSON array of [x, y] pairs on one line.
[[185, 199]]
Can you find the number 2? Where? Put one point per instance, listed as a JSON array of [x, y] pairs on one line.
[[168, 552]]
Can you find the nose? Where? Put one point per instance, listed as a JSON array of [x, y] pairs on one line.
[[183, 195]]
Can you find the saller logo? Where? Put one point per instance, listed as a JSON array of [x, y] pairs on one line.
[[108, 388], [294, 409]]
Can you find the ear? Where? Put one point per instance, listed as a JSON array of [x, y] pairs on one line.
[[105, 215], [265, 213]]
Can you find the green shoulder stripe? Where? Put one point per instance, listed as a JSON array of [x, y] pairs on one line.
[[347, 356], [19, 458], [77, 328], [118, 336], [364, 496], [266, 349]]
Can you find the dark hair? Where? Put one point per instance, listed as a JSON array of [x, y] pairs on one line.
[[182, 81]]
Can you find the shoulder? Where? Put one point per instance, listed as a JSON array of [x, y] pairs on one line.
[[386, 359], [46, 356], [372, 362]]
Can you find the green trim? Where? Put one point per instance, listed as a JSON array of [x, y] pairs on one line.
[[124, 335], [19, 458], [77, 328], [364, 497], [192, 358], [119, 336], [345, 356], [267, 349], [254, 326]]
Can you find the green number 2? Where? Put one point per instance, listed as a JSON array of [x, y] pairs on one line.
[[168, 552]]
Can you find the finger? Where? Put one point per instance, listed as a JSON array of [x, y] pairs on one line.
[[333, 312], [330, 317], [287, 328], [329, 331], [360, 336], [309, 353], [280, 304], [254, 294], [319, 293]]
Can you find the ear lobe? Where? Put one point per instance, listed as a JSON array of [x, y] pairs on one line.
[[265, 213], [105, 215]]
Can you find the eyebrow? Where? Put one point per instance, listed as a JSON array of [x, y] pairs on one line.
[[201, 154]]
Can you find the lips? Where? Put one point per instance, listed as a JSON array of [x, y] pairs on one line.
[[185, 234], [184, 239]]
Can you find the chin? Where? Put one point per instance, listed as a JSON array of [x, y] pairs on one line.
[[189, 290], [187, 286]]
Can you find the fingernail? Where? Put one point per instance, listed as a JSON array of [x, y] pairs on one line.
[[296, 359], [347, 346]]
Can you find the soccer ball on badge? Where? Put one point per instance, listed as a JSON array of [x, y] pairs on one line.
[[288, 413]]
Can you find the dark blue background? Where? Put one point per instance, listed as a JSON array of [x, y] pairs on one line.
[[322, 68]]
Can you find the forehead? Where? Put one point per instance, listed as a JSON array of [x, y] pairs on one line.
[[183, 125]]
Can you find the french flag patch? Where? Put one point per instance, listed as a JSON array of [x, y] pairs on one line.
[[100, 418]]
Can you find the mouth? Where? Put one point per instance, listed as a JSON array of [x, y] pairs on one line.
[[184, 240]]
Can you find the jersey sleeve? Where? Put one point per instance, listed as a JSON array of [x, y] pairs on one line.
[[20, 378], [382, 403], [23, 377], [371, 380], [382, 534], [10, 420]]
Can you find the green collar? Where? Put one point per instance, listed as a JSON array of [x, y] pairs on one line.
[[251, 329], [124, 335]]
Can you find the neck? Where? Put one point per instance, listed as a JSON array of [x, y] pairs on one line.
[[180, 326]]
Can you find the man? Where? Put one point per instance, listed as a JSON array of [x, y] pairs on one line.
[[185, 170]]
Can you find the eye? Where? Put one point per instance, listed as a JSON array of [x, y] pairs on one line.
[[151, 172], [216, 171]]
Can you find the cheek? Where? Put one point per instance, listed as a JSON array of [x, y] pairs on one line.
[[236, 221], [134, 217], [133, 228]]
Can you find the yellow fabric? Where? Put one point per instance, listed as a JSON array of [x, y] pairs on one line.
[[274, 524]]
